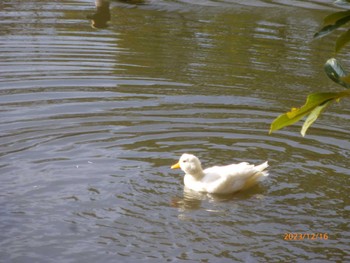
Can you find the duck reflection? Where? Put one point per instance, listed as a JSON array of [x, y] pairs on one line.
[[192, 200], [102, 15]]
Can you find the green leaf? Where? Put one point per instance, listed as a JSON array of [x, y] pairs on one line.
[[336, 73], [332, 22], [282, 121], [313, 101], [313, 116], [342, 40], [335, 17]]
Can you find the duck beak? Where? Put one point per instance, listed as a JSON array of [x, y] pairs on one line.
[[175, 166]]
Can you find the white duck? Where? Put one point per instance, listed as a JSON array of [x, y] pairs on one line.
[[219, 179]]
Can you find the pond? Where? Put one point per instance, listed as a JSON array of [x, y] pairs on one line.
[[94, 114]]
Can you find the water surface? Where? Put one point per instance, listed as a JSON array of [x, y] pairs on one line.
[[91, 120]]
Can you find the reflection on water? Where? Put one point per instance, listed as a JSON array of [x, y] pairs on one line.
[[192, 200], [91, 119], [102, 15]]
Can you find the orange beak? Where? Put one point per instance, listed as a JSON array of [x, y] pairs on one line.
[[175, 166]]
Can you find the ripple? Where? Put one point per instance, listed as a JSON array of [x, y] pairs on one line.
[[91, 120], [184, 5]]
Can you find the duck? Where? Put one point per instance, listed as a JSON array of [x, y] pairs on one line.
[[219, 179]]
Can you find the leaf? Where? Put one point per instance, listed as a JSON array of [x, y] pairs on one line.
[[342, 40], [342, 2], [335, 17], [282, 121], [346, 80], [292, 112], [313, 116], [336, 73], [332, 22], [313, 101]]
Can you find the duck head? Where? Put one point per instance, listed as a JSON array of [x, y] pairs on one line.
[[190, 164]]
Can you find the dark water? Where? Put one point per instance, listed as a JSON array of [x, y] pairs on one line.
[[91, 120]]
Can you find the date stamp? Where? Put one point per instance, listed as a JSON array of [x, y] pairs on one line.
[[305, 236]]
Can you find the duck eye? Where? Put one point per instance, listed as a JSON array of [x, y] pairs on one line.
[[184, 161]]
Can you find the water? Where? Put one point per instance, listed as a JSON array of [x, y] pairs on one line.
[[91, 120]]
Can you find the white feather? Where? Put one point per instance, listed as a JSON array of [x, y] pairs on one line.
[[220, 179]]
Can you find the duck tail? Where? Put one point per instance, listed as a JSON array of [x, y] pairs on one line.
[[261, 169]]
